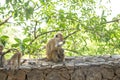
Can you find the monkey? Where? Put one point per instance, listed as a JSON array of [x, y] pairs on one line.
[[54, 48], [2, 59], [14, 61], [61, 54], [58, 55]]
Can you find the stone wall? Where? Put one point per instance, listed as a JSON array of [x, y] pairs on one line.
[[74, 68]]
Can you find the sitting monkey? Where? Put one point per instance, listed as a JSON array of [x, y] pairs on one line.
[[54, 49]]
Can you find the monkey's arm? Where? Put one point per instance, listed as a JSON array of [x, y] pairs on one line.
[[9, 50], [23, 61], [2, 57], [6, 52], [59, 44]]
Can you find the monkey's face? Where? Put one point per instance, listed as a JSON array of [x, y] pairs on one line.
[[59, 36], [59, 39]]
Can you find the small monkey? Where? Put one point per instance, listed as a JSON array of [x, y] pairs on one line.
[[58, 55], [14, 61], [2, 59], [54, 47], [61, 54]]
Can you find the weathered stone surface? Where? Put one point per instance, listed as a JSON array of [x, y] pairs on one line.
[[65, 73], [116, 78], [2, 75], [74, 68], [107, 73], [78, 75], [54, 75], [10, 74], [115, 56], [58, 74], [93, 74], [35, 74], [117, 72], [20, 75]]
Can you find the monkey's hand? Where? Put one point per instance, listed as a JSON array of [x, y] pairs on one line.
[[59, 44]]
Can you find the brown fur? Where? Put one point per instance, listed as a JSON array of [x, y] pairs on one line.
[[54, 50], [14, 61]]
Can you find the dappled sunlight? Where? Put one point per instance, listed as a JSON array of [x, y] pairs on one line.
[[89, 27]]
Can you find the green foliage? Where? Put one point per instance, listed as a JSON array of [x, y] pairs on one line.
[[86, 32], [3, 40], [21, 44]]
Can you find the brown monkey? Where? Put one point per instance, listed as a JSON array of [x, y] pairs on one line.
[[14, 61], [2, 59], [58, 55], [54, 47], [61, 54]]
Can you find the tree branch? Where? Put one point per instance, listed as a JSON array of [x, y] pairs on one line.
[[71, 34], [46, 33], [35, 29], [72, 51], [6, 20], [9, 50], [113, 21]]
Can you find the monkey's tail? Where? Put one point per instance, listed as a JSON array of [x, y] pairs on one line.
[[23, 61]]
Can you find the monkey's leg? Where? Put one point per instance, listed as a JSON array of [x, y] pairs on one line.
[[49, 56], [61, 54], [18, 61], [55, 57]]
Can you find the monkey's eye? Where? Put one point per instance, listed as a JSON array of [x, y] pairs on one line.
[[56, 36]]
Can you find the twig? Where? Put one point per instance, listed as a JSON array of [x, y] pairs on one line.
[[72, 51], [71, 34], [5, 20], [112, 21], [116, 20], [12, 49], [37, 8], [35, 29]]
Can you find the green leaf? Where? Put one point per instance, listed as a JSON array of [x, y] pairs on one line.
[[29, 12], [17, 40], [15, 13], [30, 9], [26, 40], [7, 1], [22, 47], [78, 26], [20, 1], [15, 45], [4, 37], [42, 1], [103, 12], [27, 3]]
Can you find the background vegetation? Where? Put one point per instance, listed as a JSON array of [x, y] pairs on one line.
[[28, 24]]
